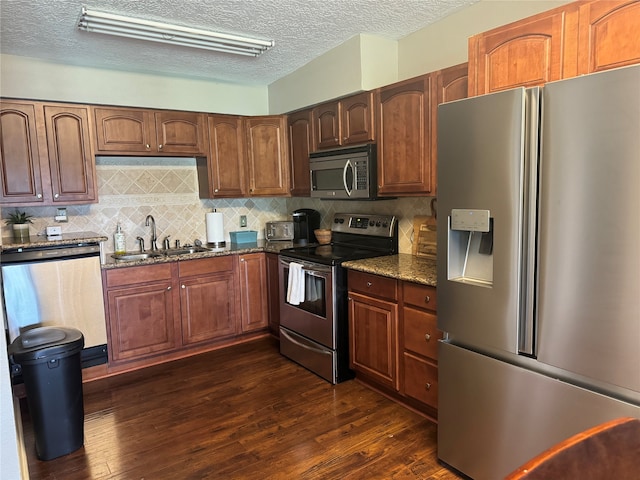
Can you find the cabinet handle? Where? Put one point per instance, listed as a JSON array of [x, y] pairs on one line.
[[369, 284], [427, 299], [427, 337], [428, 386]]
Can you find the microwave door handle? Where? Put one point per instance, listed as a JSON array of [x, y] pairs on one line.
[[344, 177]]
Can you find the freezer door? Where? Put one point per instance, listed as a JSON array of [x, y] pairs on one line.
[[482, 147], [589, 254]]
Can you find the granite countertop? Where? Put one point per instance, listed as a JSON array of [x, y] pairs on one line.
[[44, 241], [401, 267]]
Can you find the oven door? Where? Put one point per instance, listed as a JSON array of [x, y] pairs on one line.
[[314, 316]]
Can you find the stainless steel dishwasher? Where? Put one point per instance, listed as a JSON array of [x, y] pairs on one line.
[[57, 285]]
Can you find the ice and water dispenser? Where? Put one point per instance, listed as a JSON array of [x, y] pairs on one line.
[[470, 247]]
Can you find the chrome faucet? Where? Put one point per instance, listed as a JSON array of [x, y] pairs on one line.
[[154, 237]]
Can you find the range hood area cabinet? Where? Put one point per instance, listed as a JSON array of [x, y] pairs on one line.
[[248, 157], [568, 41], [137, 131], [46, 155]]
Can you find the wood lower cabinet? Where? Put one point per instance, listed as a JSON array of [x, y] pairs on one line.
[[403, 133], [301, 143], [394, 338], [45, 154], [152, 132], [254, 303], [373, 328], [267, 155], [208, 299], [222, 174], [141, 311]]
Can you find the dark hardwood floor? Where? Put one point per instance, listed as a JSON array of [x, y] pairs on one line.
[[243, 412]]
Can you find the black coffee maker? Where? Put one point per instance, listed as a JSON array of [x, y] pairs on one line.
[[305, 221]]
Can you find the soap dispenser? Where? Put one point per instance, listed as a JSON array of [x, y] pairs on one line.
[[119, 243]]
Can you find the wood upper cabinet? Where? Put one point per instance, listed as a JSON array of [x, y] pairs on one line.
[[141, 311], [45, 155], [373, 328], [151, 132], [403, 132], [301, 143], [608, 35], [267, 156], [347, 121], [529, 52], [222, 173], [208, 300], [254, 301]]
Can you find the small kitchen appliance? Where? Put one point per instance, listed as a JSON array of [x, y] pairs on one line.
[[314, 328], [305, 221], [279, 231]]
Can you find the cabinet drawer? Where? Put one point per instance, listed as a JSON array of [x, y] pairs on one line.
[[143, 274], [375, 285], [204, 266], [421, 380], [421, 332], [421, 296]]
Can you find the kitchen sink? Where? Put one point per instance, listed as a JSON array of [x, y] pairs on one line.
[[181, 251], [135, 256], [132, 257]]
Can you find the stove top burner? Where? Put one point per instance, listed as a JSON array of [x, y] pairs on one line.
[[330, 254]]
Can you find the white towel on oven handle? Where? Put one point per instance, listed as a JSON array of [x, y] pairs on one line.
[[295, 289]]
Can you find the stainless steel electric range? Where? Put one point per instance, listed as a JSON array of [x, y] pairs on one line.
[[314, 328]]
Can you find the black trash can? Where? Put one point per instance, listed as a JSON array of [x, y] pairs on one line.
[[52, 375]]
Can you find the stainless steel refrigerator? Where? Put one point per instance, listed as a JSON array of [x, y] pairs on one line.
[[538, 267]]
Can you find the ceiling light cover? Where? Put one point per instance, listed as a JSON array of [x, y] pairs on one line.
[[119, 25]]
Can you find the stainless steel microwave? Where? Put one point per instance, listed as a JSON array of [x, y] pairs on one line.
[[345, 173]]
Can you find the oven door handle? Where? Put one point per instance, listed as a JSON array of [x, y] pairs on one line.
[[312, 269], [315, 273], [293, 340], [347, 166]]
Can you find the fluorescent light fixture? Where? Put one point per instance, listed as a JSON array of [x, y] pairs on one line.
[[111, 24]]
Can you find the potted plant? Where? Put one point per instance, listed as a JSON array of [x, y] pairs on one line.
[[20, 222]]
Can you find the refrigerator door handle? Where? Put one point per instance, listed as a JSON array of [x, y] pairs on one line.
[[527, 324]]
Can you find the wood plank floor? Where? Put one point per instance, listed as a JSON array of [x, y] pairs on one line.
[[244, 412]]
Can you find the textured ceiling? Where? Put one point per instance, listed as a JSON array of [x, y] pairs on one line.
[[302, 30]]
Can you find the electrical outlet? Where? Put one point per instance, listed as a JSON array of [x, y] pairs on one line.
[[243, 220]]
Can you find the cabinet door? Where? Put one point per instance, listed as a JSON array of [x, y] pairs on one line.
[[222, 173], [181, 132], [19, 155], [71, 160], [273, 291], [356, 114], [120, 130], [530, 52], [373, 338], [267, 157], [403, 133], [253, 291], [208, 307], [142, 320], [301, 143], [326, 124], [608, 35]]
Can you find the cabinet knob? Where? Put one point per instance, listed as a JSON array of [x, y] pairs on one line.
[[369, 284], [169, 287], [160, 147], [148, 147], [242, 259], [427, 337], [39, 195], [215, 190], [427, 299], [428, 386], [183, 286], [56, 195]]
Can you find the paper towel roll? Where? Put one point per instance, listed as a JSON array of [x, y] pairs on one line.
[[215, 228]]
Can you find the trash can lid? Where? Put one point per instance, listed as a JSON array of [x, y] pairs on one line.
[[45, 342]]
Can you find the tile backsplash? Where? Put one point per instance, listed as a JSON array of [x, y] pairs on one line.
[[129, 189]]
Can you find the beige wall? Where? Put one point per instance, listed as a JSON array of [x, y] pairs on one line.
[[22, 77], [434, 47]]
